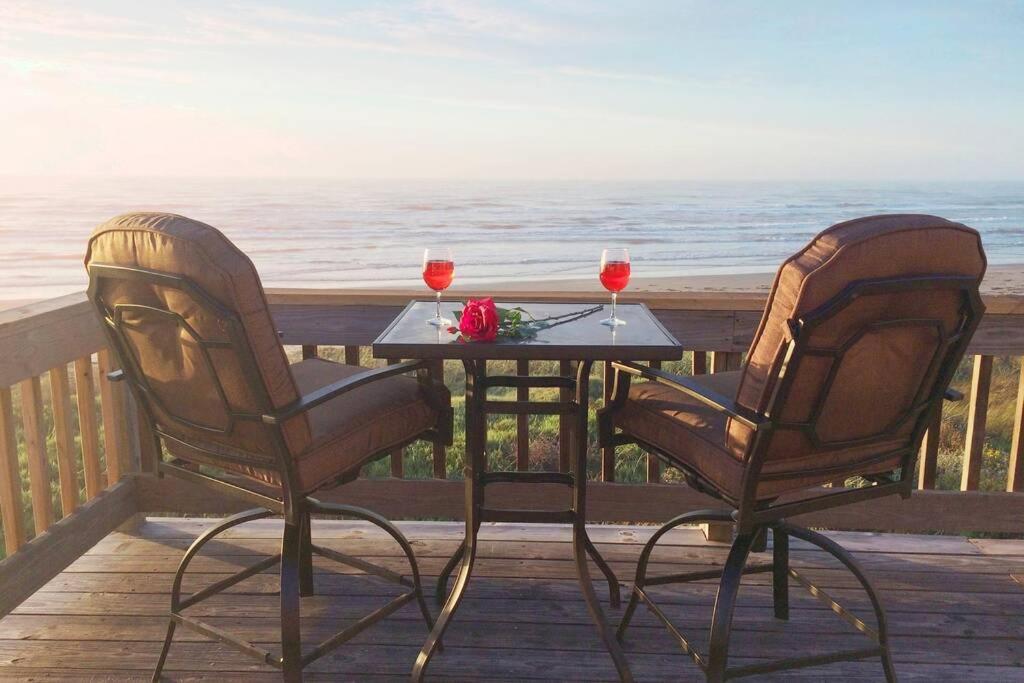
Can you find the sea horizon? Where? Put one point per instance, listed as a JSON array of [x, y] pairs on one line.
[[313, 232]]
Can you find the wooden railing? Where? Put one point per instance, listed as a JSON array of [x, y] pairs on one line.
[[102, 480]]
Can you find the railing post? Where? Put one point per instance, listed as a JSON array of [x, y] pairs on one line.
[[699, 362], [974, 441], [929, 455], [608, 452], [60, 396], [565, 421], [85, 397], [35, 450], [112, 408], [439, 454], [351, 355], [653, 464], [10, 476], [724, 361], [309, 351], [397, 455], [523, 421], [141, 437], [1015, 472]]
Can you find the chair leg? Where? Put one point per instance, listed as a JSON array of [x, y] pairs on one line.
[[193, 550], [841, 554], [695, 517], [163, 653], [780, 573], [306, 557], [614, 596], [725, 603], [395, 533], [291, 635]]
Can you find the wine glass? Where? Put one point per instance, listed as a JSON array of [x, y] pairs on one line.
[[614, 277], [438, 271]]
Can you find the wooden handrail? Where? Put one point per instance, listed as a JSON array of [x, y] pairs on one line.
[[40, 340]]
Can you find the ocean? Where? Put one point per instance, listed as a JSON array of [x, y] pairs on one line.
[[332, 233]]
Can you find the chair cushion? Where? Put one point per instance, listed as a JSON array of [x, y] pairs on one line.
[[684, 429], [693, 435], [352, 429], [181, 246], [865, 248]]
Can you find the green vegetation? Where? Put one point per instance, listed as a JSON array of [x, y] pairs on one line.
[[630, 464]]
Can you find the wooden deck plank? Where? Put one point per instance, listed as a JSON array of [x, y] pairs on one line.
[[161, 567], [953, 606], [855, 541], [645, 637], [39, 621], [126, 544], [512, 657]]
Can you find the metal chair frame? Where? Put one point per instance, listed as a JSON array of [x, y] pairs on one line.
[[297, 548], [753, 516]]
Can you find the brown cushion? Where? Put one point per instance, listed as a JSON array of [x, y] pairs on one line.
[[866, 248], [170, 357], [693, 435], [348, 431], [684, 429]]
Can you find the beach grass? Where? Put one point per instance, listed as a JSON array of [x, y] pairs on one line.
[[630, 465]]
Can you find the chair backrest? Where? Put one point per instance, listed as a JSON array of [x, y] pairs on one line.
[[859, 339], [187, 314]]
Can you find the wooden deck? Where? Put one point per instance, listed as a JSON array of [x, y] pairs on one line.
[[955, 608]]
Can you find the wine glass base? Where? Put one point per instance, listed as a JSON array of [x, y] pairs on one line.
[[439, 322], [613, 322]]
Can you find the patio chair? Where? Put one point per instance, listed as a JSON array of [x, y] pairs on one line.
[[860, 337], [187, 316]]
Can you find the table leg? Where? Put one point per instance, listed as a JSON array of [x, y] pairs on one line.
[[580, 541], [476, 442]]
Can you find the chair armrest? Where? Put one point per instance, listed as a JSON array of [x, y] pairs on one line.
[[708, 397], [953, 395], [343, 386]]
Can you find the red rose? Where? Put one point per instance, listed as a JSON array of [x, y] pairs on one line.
[[479, 320]]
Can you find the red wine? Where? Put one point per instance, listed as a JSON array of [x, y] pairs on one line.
[[438, 274], [615, 275]]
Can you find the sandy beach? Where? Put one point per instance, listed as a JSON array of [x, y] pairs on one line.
[[999, 280]]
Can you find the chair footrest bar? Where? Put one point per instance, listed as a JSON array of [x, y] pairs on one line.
[[356, 563], [697, 657], [217, 587], [225, 637], [802, 662], [528, 516], [528, 478], [830, 602], [704, 574], [358, 627]]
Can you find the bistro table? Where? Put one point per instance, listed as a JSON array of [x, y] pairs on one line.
[[578, 336]]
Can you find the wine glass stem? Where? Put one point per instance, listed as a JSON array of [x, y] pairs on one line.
[[615, 297], [438, 299]]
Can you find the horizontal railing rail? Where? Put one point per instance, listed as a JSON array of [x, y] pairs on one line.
[[67, 434]]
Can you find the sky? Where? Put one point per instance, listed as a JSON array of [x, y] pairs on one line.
[[569, 89]]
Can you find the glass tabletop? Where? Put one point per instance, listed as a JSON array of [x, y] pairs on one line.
[[578, 335]]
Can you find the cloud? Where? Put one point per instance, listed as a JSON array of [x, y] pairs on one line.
[[19, 18]]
